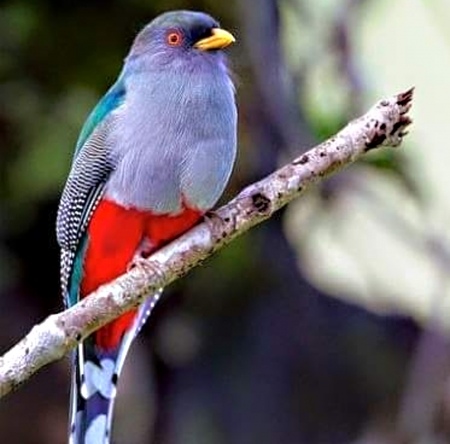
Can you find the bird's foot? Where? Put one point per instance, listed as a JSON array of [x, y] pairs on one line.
[[144, 250], [219, 226], [213, 220], [149, 267], [142, 262], [138, 261]]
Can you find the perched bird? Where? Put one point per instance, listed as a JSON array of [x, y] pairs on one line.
[[153, 156]]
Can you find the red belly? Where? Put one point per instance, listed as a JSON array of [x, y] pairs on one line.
[[115, 234]]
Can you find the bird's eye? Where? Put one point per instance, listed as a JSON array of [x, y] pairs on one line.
[[174, 38]]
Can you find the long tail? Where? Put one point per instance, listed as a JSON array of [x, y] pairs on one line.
[[94, 379]]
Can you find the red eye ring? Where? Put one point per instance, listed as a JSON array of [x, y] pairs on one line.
[[174, 38]]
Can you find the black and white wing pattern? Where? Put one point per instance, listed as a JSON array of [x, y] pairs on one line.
[[82, 192]]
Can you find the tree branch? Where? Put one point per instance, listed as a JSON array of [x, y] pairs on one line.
[[383, 125]]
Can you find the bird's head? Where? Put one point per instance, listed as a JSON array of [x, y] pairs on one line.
[[179, 35]]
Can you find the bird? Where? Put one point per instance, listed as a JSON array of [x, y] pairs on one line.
[[154, 155]]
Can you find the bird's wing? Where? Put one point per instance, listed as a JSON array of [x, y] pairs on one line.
[[107, 104], [91, 166]]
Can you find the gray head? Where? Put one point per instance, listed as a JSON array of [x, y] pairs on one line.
[[178, 36]]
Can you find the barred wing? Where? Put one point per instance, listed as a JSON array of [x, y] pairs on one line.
[[82, 192]]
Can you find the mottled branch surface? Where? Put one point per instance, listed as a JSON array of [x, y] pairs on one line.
[[382, 125]]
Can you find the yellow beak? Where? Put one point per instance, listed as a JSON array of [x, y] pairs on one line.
[[218, 40]]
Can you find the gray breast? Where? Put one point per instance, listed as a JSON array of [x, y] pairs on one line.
[[175, 141]]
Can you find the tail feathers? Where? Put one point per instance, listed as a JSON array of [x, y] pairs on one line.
[[93, 395], [94, 381], [141, 318]]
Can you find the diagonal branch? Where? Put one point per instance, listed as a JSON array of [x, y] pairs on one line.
[[382, 125]]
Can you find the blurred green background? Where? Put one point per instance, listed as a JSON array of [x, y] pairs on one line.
[[328, 323]]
